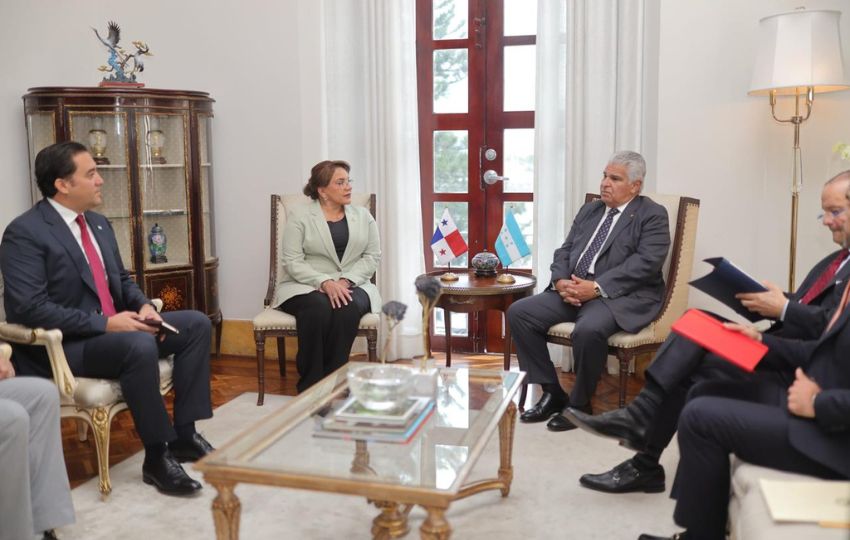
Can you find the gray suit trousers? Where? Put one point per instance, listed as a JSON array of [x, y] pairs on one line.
[[530, 319], [34, 492]]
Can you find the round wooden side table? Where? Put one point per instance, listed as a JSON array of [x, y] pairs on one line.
[[471, 294]]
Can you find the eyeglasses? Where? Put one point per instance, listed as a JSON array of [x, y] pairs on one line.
[[832, 213], [341, 182]]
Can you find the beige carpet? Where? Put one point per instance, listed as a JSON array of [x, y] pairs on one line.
[[546, 500]]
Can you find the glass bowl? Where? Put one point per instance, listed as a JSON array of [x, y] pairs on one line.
[[380, 388]]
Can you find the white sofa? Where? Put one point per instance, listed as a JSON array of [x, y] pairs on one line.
[[749, 518]]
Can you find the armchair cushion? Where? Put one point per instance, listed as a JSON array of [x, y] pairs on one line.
[[91, 393], [274, 319]]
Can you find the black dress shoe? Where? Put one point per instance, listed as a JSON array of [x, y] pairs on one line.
[[168, 476], [626, 478], [560, 423], [618, 424], [50, 534], [548, 405], [190, 450], [677, 536]]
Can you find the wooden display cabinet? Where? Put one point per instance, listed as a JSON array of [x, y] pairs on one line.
[[153, 149]]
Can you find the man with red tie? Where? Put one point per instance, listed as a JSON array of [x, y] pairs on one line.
[[801, 427], [62, 269], [648, 424]]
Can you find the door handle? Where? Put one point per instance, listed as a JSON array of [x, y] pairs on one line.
[[491, 177]]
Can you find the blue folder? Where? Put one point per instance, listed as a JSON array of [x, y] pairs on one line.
[[727, 280]]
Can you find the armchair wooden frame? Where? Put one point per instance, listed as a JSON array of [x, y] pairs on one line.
[[91, 402], [272, 323], [626, 346]]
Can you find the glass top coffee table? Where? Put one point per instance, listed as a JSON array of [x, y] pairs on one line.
[[430, 470]]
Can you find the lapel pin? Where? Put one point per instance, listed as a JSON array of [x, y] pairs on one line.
[[99, 228]]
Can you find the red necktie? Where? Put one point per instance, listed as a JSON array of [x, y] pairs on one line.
[[840, 308], [825, 278], [96, 265]]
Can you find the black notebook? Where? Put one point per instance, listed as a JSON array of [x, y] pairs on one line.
[[727, 280]]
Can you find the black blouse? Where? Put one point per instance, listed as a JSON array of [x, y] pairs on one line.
[[339, 235]]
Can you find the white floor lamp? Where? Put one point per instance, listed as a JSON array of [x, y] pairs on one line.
[[799, 55]]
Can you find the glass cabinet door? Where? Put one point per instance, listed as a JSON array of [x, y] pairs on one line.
[[42, 133], [163, 185], [105, 135], [205, 150]]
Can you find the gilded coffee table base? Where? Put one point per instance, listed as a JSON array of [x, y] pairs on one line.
[[392, 522], [237, 462], [226, 511], [506, 469], [435, 526]]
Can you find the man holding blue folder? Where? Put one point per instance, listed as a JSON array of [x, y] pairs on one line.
[[801, 428], [648, 424]]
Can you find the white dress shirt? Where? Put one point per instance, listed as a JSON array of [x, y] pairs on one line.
[[70, 217], [592, 269]]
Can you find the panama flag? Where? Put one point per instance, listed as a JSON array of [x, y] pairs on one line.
[[510, 245], [447, 242]]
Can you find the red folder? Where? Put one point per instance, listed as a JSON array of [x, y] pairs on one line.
[[733, 346]]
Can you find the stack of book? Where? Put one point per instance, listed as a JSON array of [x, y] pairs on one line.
[[353, 421]]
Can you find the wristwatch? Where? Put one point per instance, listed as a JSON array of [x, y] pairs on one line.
[[597, 292]]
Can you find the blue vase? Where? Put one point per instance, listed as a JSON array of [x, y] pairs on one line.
[[157, 244]]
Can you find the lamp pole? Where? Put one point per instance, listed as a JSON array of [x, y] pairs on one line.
[[797, 175]]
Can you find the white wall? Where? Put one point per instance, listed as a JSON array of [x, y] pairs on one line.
[[261, 61], [721, 146], [248, 55]]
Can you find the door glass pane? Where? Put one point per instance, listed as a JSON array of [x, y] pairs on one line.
[[163, 185], [520, 17], [451, 81], [450, 19], [460, 323], [460, 214], [518, 159], [451, 161], [520, 74], [524, 214], [105, 135]]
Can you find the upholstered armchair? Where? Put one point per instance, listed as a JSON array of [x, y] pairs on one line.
[[92, 402], [683, 213], [272, 322]]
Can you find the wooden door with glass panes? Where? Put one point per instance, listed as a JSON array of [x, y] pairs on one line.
[[476, 82]]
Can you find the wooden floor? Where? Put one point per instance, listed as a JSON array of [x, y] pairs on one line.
[[233, 375]]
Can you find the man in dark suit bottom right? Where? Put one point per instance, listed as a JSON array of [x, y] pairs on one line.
[[802, 428]]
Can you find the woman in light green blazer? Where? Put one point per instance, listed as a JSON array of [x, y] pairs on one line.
[[330, 251]]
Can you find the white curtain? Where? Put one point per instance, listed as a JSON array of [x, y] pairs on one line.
[[589, 104], [371, 121]]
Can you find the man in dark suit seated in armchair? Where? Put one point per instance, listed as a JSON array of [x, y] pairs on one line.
[[62, 269], [648, 424], [606, 277], [802, 428]]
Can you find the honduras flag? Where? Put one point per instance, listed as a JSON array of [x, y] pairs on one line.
[[510, 245], [447, 242]]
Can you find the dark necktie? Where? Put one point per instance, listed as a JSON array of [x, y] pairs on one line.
[[825, 278], [841, 306], [97, 271], [584, 263]]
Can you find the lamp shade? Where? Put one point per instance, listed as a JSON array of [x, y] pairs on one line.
[[798, 50]]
